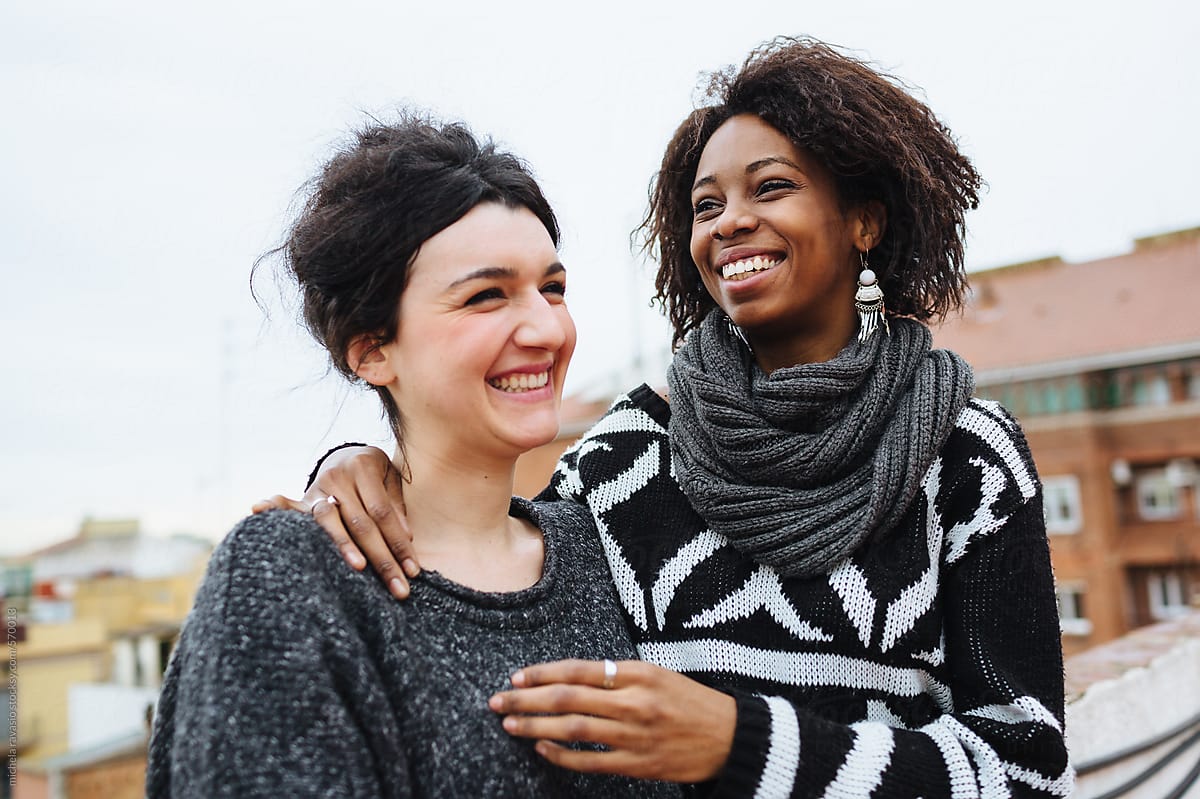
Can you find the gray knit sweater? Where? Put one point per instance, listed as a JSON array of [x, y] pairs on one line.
[[297, 676]]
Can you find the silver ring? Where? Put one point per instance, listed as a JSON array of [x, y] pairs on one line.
[[331, 499], [610, 675]]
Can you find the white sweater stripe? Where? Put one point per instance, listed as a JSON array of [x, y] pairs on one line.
[[862, 770], [958, 765], [981, 424], [783, 756], [792, 668]]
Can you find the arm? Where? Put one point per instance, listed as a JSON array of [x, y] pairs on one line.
[[656, 724], [1001, 729], [1004, 737], [368, 515], [270, 692], [997, 679]]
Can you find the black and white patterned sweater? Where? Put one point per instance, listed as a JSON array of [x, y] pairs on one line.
[[927, 664]]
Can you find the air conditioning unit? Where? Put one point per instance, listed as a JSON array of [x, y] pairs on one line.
[[1122, 474], [1181, 472]]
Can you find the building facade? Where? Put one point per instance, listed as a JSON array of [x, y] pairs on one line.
[[1100, 362], [98, 615]]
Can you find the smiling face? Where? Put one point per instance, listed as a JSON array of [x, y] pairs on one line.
[[484, 338], [773, 244]]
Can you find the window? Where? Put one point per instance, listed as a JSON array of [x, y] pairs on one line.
[[1061, 504], [1193, 381], [1034, 399], [1168, 597], [1071, 618], [16, 581], [1107, 390], [1053, 398], [1157, 498], [1150, 388], [1075, 395]]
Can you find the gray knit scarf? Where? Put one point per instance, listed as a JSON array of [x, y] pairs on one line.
[[797, 468]]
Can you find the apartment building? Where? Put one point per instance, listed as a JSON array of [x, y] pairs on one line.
[[1100, 361]]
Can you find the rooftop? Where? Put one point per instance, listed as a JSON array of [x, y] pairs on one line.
[[1051, 311]]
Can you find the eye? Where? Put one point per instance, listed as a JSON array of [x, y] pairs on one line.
[[705, 207], [556, 287], [775, 184], [484, 296]]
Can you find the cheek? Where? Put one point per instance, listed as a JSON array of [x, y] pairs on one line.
[[698, 246], [568, 347]]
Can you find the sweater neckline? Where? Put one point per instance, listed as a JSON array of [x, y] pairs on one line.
[[522, 609]]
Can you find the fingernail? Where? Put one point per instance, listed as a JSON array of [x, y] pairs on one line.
[[399, 589], [355, 559], [509, 723], [410, 567], [496, 703], [518, 679]]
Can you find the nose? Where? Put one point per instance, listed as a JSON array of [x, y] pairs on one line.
[[735, 218], [542, 325]]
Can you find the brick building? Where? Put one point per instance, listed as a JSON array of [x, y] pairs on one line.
[[1100, 361]]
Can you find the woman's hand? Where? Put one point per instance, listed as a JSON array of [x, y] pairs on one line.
[[368, 515], [657, 724]]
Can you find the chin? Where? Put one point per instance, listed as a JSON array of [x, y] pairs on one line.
[[529, 436]]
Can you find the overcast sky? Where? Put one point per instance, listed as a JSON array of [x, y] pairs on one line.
[[149, 152]]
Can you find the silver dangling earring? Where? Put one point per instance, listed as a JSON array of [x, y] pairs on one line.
[[869, 302]]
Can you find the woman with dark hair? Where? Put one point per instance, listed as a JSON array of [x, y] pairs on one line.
[[428, 269], [823, 524]]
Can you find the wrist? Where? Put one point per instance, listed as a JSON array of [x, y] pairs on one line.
[[312, 477], [743, 768]]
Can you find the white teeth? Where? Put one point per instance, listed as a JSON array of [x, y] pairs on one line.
[[523, 382], [748, 265]]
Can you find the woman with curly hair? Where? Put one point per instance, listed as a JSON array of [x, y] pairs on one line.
[[822, 527]]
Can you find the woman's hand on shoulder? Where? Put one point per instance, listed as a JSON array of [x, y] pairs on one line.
[[357, 499], [656, 723]]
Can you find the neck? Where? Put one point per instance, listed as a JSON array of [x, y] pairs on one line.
[[792, 349], [457, 501]]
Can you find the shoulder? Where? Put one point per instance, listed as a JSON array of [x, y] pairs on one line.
[[984, 482], [640, 410], [278, 537], [284, 553], [986, 433], [558, 516], [633, 433]]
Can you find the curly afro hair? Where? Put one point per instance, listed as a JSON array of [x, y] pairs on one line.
[[880, 143]]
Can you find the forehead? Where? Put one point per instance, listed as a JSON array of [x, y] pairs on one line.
[[745, 139], [490, 234]]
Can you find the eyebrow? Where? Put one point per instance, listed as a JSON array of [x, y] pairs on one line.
[[503, 273], [751, 168]]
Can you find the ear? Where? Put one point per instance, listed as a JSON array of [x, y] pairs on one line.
[[370, 360], [869, 223]]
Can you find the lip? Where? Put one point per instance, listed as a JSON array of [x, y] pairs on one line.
[[742, 253], [528, 369], [542, 394], [742, 286]]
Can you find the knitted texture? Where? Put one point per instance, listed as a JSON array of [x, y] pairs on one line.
[[797, 468], [298, 676], [927, 663]]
